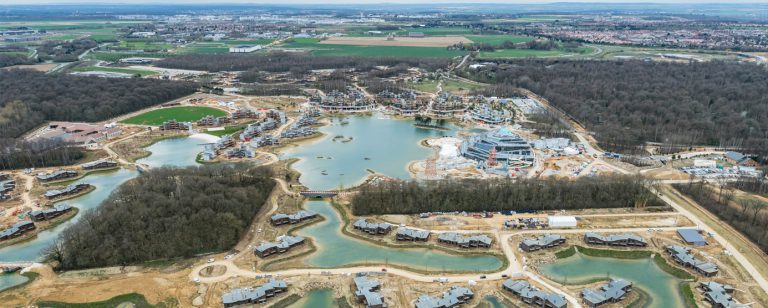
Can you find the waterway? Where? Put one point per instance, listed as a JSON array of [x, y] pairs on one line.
[[662, 288], [317, 298], [383, 145], [334, 249], [10, 280]]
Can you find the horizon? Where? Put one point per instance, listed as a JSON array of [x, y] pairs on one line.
[[378, 2]]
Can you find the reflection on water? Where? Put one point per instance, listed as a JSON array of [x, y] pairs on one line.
[[663, 288], [338, 250]]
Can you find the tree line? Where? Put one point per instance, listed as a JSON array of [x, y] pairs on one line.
[[63, 51], [290, 62], [748, 216], [29, 98], [627, 103], [166, 213], [497, 195]]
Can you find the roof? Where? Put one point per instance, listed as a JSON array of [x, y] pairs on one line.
[[453, 296], [525, 290], [460, 239], [251, 294], [691, 235], [413, 233], [543, 240], [616, 237], [366, 287], [735, 156], [285, 241]]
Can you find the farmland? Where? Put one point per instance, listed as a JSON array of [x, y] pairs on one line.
[[498, 39], [181, 114], [318, 49], [114, 70]]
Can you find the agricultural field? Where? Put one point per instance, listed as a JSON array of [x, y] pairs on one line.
[[116, 56], [315, 48], [131, 71], [457, 85], [499, 39], [522, 53], [434, 41], [429, 86], [181, 114]]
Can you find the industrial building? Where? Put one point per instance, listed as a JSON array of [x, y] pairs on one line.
[[500, 145], [626, 239], [684, 257], [454, 297], [244, 48], [366, 292], [612, 292], [254, 295], [561, 221], [533, 296], [465, 241], [541, 242]]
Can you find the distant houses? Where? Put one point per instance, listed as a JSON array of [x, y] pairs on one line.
[[626, 239], [740, 159], [69, 190], [49, 214], [17, 229], [281, 219], [533, 296], [254, 295], [7, 185], [373, 228], [456, 239], [175, 125], [692, 237], [407, 234], [683, 256], [452, 298], [366, 292], [611, 292], [56, 175], [99, 164], [541, 242], [281, 245], [719, 295]]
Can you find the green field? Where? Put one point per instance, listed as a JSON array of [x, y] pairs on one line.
[[226, 131], [523, 53], [115, 56], [371, 51], [499, 39], [456, 85], [247, 42], [131, 71], [425, 86], [181, 114], [136, 299]]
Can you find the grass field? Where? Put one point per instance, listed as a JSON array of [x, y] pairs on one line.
[[498, 39], [247, 42], [115, 56], [456, 85], [131, 71], [371, 51], [523, 53], [181, 114], [226, 131], [425, 86]]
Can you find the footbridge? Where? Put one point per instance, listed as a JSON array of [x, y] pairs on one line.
[[322, 193]]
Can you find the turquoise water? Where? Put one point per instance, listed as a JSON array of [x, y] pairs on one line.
[[316, 298], [388, 144], [663, 288], [10, 280], [338, 250], [493, 302], [175, 152]]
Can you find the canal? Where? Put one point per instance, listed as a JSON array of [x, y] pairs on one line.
[[662, 288], [337, 250]]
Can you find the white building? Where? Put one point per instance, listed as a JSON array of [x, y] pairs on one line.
[[561, 221], [704, 163], [244, 48]]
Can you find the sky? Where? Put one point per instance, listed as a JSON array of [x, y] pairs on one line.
[[352, 2]]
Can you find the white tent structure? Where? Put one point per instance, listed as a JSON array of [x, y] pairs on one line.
[[561, 221]]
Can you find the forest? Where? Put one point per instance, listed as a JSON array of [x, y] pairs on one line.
[[166, 213], [30, 98], [297, 63], [627, 103], [497, 195], [63, 51], [13, 59], [748, 216], [37, 154]]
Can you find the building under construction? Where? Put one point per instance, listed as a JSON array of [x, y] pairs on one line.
[[499, 146]]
